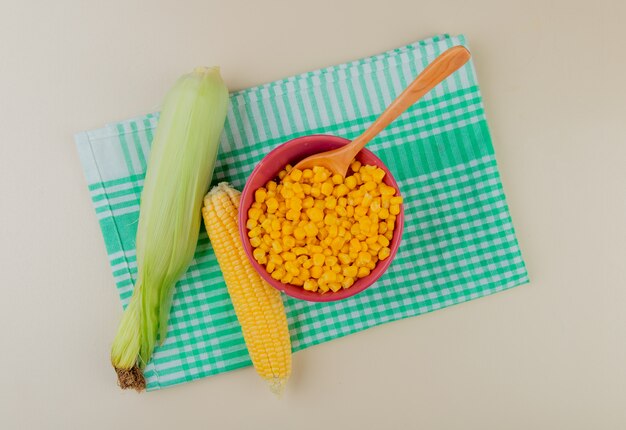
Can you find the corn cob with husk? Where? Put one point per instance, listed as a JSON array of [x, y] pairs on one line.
[[258, 306], [179, 172]]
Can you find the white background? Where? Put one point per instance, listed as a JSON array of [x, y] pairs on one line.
[[550, 355]]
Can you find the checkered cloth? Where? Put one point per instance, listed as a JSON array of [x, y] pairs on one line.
[[458, 241]]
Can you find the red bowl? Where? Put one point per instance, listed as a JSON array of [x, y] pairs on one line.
[[290, 153]]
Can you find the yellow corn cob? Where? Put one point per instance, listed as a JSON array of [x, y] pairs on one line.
[[258, 306]]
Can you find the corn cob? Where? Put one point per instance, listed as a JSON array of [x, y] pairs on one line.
[[258, 306]]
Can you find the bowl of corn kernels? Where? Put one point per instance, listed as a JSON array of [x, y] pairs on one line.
[[314, 235]]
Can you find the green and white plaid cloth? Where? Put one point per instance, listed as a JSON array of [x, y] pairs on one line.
[[458, 244]]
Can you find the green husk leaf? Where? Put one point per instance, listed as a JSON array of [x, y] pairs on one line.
[[179, 171]]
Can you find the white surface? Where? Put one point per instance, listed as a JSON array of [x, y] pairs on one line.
[[550, 355]]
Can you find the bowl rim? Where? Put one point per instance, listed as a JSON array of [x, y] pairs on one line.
[[296, 291]]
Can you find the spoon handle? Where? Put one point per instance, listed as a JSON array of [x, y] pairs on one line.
[[442, 67]]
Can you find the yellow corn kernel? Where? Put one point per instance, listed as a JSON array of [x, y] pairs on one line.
[[341, 190], [295, 174], [310, 284], [315, 190], [350, 211], [327, 188], [370, 265], [384, 253], [371, 240], [329, 276], [373, 229], [287, 278], [256, 242], [331, 260], [298, 188], [310, 229], [333, 231], [347, 282], [330, 202], [292, 214], [350, 271], [344, 258], [275, 234], [277, 247], [307, 174], [251, 223], [271, 186], [364, 224], [287, 193], [383, 241], [363, 272], [337, 244], [316, 272], [272, 205], [378, 175], [292, 268], [320, 174], [369, 185], [382, 227], [396, 200], [318, 259], [287, 228], [375, 205], [383, 213], [256, 231], [334, 286], [259, 195], [299, 250], [363, 258], [367, 200], [389, 234], [308, 202], [295, 203], [254, 213], [327, 252], [386, 190], [288, 256], [270, 267], [394, 209], [315, 214], [307, 264], [373, 249], [355, 166], [259, 255], [299, 233], [360, 211], [330, 219], [297, 281], [337, 179], [350, 182]]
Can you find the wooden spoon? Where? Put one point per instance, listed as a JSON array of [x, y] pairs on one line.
[[338, 160]]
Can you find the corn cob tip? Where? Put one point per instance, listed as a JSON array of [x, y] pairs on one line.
[[131, 379], [277, 386]]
